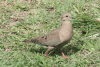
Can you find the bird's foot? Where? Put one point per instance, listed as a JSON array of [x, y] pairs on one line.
[[45, 55], [63, 55]]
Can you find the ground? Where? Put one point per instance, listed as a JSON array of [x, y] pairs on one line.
[[24, 19]]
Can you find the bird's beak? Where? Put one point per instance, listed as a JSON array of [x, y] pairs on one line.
[[72, 17]]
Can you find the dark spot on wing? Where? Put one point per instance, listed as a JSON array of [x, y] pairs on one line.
[[66, 16], [45, 37]]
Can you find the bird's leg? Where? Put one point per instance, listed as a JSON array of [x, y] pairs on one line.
[[47, 53], [63, 55], [49, 48]]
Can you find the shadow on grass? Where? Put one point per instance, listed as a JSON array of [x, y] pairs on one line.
[[40, 50], [68, 50]]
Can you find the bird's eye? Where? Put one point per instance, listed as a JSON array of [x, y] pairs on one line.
[[66, 16]]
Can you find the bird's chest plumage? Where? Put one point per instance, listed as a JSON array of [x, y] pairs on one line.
[[65, 33]]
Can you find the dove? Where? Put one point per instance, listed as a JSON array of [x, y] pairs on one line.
[[56, 38]]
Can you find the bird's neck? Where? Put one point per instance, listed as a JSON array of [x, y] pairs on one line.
[[66, 24]]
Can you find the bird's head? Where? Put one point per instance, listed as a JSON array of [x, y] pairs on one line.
[[66, 17]]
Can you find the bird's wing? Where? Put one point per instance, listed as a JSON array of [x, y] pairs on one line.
[[50, 39]]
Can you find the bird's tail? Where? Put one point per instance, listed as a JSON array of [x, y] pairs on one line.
[[27, 41]]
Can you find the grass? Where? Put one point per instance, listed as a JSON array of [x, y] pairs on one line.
[[25, 19]]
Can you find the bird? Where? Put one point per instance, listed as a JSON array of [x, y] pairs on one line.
[[56, 38]]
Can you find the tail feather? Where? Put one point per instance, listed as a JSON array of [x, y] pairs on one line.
[[27, 41]]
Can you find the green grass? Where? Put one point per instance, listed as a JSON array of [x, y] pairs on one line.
[[20, 20]]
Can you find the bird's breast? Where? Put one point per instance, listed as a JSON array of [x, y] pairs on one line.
[[65, 34]]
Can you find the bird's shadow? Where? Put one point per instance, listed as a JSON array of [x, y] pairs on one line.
[[67, 50]]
